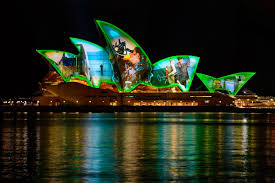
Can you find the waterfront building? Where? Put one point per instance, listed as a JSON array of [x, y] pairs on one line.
[[122, 74]]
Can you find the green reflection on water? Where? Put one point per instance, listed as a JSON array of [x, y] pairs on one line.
[[137, 147]]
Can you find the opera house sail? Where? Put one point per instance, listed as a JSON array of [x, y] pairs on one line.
[[231, 83], [90, 67]]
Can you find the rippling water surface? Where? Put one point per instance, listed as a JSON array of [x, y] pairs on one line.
[[137, 147]]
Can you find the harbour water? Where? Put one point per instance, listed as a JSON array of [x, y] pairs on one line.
[[137, 147]]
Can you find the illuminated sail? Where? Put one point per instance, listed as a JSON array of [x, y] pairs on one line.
[[90, 67], [99, 66], [231, 83], [131, 64], [176, 71]]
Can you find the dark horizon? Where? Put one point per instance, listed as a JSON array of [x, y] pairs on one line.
[[229, 37]]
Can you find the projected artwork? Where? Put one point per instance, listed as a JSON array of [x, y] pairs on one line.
[[175, 71], [124, 64], [91, 66], [232, 83], [131, 64], [66, 64], [99, 68]]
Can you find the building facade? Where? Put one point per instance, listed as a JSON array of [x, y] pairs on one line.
[[122, 74]]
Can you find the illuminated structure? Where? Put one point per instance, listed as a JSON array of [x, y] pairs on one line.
[[123, 63], [123, 67], [85, 67], [231, 83]]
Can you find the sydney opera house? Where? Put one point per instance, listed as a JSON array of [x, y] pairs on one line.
[[122, 74]]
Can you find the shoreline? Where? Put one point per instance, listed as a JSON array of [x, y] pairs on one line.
[[110, 109]]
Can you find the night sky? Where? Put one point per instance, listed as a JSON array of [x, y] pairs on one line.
[[228, 36]]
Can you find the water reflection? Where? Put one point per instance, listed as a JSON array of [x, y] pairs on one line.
[[137, 147]]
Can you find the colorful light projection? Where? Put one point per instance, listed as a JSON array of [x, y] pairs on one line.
[[175, 71], [90, 67], [131, 64], [71, 67], [99, 66], [231, 83], [125, 64]]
